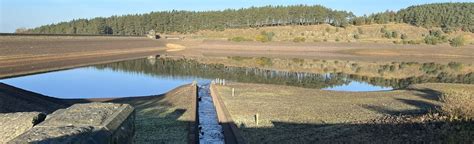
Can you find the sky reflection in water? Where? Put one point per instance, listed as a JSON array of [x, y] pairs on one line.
[[89, 82]]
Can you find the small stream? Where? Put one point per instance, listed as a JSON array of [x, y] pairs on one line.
[[210, 131]]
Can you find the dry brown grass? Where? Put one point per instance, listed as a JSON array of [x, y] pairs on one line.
[[299, 115], [165, 118], [301, 105], [458, 104], [325, 32]]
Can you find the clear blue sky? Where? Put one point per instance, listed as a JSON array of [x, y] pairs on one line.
[[33, 13]]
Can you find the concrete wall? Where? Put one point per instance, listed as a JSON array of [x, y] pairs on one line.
[[14, 124], [231, 132], [84, 123]]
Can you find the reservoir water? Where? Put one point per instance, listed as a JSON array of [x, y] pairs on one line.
[[143, 77]]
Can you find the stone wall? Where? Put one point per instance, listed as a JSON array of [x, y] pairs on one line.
[[84, 123]]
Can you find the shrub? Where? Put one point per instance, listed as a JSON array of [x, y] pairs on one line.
[[238, 58], [337, 39], [458, 104], [265, 36], [356, 36], [383, 30], [360, 30], [435, 37], [457, 41], [404, 36], [328, 29], [239, 39], [430, 68], [297, 60], [448, 29], [264, 61], [392, 68], [455, 65], [358, 69], [432, 40], [394, 34], [387, 35], [414, 42], [299, 39]]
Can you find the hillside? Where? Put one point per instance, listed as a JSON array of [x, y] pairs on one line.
[[449, 16], [191, 21], [398, 33]]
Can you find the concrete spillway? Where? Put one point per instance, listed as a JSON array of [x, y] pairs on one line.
[[210, 131]]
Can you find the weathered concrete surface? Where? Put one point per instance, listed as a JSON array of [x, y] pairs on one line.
[[14, 124], [84, 123]]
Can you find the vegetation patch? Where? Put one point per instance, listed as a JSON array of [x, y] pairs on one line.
[[299, 39], [239, 58], [435, 37], [458, 104], [457, 41], [239, 39], [265, 36], [264, 61]]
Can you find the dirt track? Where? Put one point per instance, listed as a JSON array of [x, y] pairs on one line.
[[29, 54]]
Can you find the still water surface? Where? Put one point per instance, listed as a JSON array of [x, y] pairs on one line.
[[145, 77]]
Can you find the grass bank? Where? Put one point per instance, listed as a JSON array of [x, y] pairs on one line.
[[290, 114], [168, 118]]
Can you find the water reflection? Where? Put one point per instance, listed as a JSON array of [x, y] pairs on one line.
[[90, 82], [357, 87], [156, 76], [185, 67]]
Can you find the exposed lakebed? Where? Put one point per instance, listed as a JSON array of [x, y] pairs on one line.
[[143, 77]]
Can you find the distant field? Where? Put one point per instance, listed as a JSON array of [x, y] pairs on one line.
[[292, 115], [27, 54]]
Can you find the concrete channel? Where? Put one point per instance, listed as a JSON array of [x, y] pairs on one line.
[[210, 131]]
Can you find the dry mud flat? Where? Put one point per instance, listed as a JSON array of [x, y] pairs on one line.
[[30, 54]]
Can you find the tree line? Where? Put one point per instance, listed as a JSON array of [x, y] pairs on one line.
[[450, 16]]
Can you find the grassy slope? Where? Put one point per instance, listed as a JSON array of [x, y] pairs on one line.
[[317, 33], [164, 119], [290, 114]]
